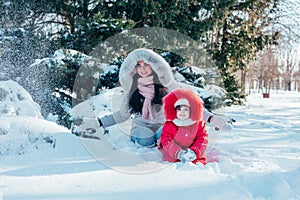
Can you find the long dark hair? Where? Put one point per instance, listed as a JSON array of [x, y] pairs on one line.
[[136, 100]]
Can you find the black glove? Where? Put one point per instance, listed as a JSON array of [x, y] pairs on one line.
[[100, 123]]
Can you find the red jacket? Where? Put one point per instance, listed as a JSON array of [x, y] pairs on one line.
[[175, 138]]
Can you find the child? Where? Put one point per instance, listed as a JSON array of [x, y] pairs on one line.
[[184, 137]]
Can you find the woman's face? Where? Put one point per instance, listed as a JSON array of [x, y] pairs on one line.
[[143, 69], [183, 112]]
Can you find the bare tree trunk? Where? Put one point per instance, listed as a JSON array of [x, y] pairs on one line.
[[289, 85], [260, 84], [243, 80], [251, 85]]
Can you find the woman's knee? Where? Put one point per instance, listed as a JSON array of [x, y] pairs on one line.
[[143, 136]]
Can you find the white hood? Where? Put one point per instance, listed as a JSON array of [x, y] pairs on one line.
[[157, 62]]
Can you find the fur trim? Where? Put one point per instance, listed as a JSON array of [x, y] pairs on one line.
[[194, 100], [187, 122], [159, 65]]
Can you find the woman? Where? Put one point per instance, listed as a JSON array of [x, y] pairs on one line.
[[146, 78]]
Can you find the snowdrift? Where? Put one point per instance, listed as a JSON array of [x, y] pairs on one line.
[[22, 127]]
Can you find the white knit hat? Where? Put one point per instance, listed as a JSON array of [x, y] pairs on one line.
[[182, 102]]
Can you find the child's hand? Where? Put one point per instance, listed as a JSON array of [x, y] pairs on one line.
[[187, 155]]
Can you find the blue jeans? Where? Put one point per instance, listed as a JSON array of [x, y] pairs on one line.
[[158, 133], [145, 136]]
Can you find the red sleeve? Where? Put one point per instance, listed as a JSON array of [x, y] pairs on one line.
[[167, 140], [200, 143]]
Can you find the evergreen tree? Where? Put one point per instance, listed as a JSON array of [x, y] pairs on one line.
[[84, 24], [19, 48], [242, 30], [232, 31]]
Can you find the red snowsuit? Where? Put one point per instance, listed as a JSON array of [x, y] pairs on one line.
[[175, 138]]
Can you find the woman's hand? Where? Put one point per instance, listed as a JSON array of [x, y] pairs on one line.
[[220, 123]]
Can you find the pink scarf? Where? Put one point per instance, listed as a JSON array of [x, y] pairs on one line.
[[146, 88]]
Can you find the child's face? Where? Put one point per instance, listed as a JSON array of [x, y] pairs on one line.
[[143, 69], [183, 112]]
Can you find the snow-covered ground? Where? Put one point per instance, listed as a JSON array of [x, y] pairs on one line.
[[259, 159]]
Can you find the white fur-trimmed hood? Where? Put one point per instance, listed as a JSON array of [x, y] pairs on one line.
[[159, 65]]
